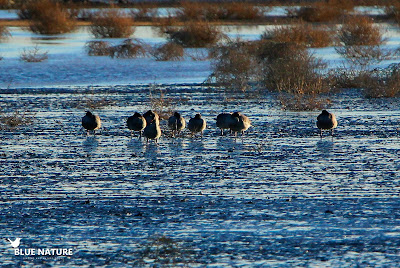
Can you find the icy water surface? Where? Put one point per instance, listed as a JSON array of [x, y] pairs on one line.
[[281, 197]]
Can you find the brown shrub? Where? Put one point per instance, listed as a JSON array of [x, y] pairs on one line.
[[392, 11], [169, 52], [241, 11], [33, 55], [382, 83], [301, 102], [194, 34], [359, 31], [290, 68], [130, 48], [301, 34], [360, 42], [47, 17], [98, 48], [111, 24], [4, 3], [323, 11]]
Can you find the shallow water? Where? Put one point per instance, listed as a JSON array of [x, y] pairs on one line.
[[282, 196]]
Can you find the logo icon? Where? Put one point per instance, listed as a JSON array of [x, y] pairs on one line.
[[15, 243]]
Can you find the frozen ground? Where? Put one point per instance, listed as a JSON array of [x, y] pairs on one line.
[[281, 197]]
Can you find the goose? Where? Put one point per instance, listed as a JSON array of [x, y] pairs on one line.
[[91, 122], [152, 130], [326, 121], [150, 116], [239, 123], [224, 121], [176, 123], [136, 122], [197, 124]]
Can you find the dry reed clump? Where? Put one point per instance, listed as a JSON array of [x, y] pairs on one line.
[[33, 55], [235, 65], [194, 34], [331, 10], [111, 24], [47, 17], [169, 51], [130, 48], [15, 120], [162, 105], [360, 42], [382, 83], [302, 34], [98, 48]]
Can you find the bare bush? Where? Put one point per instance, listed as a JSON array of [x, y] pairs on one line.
[[301, 102], [34, 55], [360, 42], [234, 65], [130, 48], [98, 48], [194, 34], [47, 17], [169, 52], [301, 34], [111, 24]]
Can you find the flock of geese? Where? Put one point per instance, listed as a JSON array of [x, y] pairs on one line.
[[149, 123]]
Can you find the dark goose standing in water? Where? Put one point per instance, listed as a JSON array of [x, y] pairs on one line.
[[240, 123], [91, 122], [152, 130], [176, 123], [197, 124], [136, 122], [224, 121], [326, 121]]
